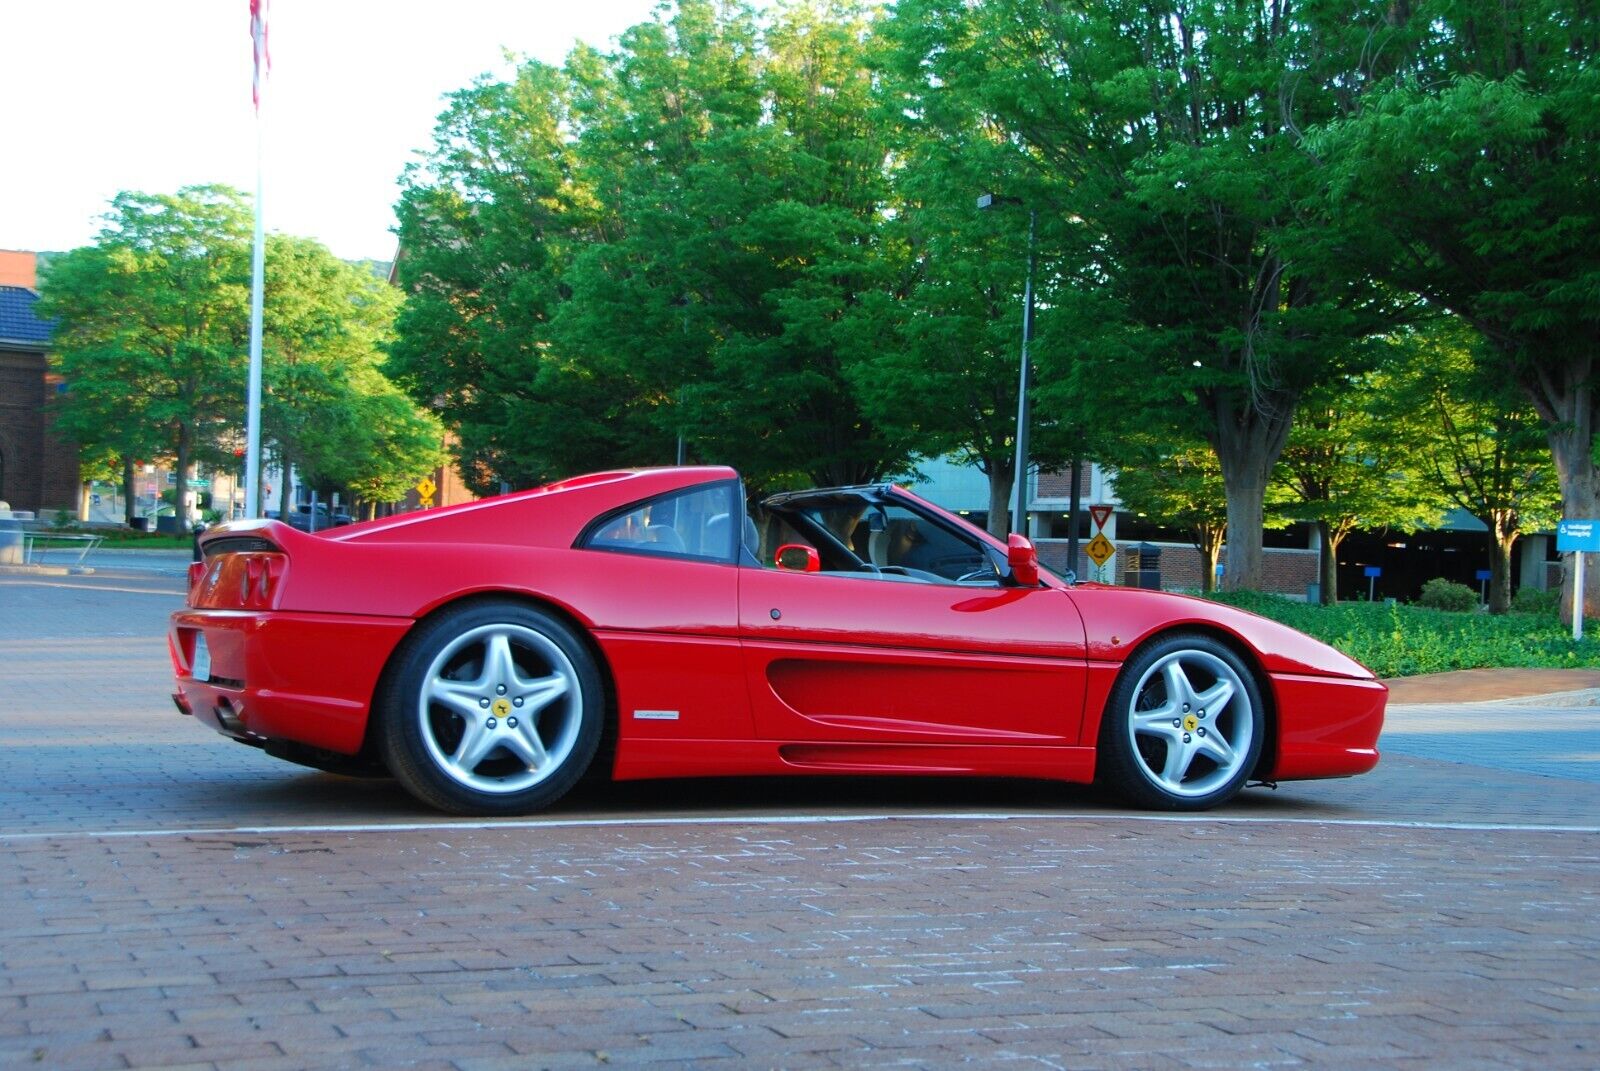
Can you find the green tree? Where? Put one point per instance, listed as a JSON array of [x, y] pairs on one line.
[[327, 408], [375, 442], [1169, 134], [674, 240], [1469, 171], [1477, 442], [153, 318], [945, 328], [750, 173], [1350, 463], [490, 221], [1176, 483]]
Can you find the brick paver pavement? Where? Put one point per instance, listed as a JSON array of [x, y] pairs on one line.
[[899, 943], [710, 922]]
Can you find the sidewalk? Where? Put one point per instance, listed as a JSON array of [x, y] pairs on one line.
[[1487, 685]]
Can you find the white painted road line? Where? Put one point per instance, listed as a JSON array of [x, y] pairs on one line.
[[786, 820]]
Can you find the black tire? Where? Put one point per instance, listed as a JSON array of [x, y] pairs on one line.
[[474, 698], [1160, 748]]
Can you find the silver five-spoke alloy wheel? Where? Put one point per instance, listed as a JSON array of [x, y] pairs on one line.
[[491, 707], [500, 708], [1184, 725], [1191, 723]]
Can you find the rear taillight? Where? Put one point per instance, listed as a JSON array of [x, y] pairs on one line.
[[261, 573], [238, 581]]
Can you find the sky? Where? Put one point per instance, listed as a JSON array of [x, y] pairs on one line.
[[151, 95]]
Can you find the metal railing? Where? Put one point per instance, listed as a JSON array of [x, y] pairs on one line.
[[35, 545]]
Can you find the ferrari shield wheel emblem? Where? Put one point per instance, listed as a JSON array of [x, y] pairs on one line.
[[502, 707]]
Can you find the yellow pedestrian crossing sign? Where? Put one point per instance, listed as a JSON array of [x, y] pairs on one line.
[[425, 489], [1100, 549]]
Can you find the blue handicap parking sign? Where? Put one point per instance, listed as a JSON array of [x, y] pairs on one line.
[[1575, 534]]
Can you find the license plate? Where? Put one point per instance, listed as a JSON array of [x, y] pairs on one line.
[[202, 658]]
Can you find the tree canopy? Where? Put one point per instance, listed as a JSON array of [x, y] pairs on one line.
[[755, 236], [153, 324], [1470, 167]]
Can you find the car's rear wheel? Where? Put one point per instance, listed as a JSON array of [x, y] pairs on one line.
[[492, 708], [1183, 727]]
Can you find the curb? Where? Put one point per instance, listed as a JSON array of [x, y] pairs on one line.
[[46, 570]]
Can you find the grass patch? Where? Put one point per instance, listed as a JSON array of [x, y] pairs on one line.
[[1403, 640], [122, 538], [141, 541]]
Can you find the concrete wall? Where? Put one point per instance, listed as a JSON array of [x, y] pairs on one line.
[[1288, 570]]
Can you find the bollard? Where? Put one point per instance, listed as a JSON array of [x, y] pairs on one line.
[[11, 541]]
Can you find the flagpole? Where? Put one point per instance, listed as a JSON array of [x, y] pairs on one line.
[[252, 464]]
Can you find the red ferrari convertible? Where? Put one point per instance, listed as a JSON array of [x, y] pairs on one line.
[[647, 624]]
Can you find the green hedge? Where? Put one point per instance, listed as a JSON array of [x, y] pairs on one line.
[[1401, 641]]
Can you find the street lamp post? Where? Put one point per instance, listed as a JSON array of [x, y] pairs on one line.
[[1019, 516]]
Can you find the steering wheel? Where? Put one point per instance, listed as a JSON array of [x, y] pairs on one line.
[[975, 576]]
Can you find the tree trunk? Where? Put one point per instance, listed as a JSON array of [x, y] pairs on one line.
[[1208, 541], [1248, 443], [1580, 498], [1246, 492], [1001, 490], [285, 500], [1328, 567], [1501, 543], [180, 508], [1565, 399], [128, 487], [85, 499]]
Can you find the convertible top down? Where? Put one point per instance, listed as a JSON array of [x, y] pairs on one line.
[[647, 623]]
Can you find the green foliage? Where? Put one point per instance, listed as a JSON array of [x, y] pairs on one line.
[[1442, 594], [1166, 137], [153, 320], [1470, 169], [1401, 641], [1178, 483], [1473, 438], [677, 239], [1349, 465], [153, 344], [328, 409], [1352, 462], [1545, 602]]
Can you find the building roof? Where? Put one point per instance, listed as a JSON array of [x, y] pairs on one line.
[[18, 324]]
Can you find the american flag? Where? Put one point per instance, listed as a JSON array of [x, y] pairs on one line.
[[258, 38]]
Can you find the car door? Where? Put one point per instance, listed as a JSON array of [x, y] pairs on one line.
[[911, 657], [661, 594]]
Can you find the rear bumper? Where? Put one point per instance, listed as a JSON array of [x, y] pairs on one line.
[[1327, 726], [275, 675]]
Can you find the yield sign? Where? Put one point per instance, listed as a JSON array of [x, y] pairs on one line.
[[1099, 515]]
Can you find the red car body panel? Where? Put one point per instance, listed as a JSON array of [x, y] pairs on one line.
[[718, 668]]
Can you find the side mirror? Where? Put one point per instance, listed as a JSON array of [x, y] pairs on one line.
[[797, 557], [1023, 561]]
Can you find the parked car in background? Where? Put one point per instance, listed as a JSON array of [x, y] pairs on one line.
[[306, 520]]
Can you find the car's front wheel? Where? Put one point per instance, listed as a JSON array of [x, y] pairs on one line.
[[1183, 727], [491, 708]]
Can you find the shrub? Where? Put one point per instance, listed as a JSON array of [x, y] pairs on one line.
[[1536, 601], [1442, 594], [1400, 640]]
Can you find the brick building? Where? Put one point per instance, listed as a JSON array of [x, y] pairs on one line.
[[37, 471]]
